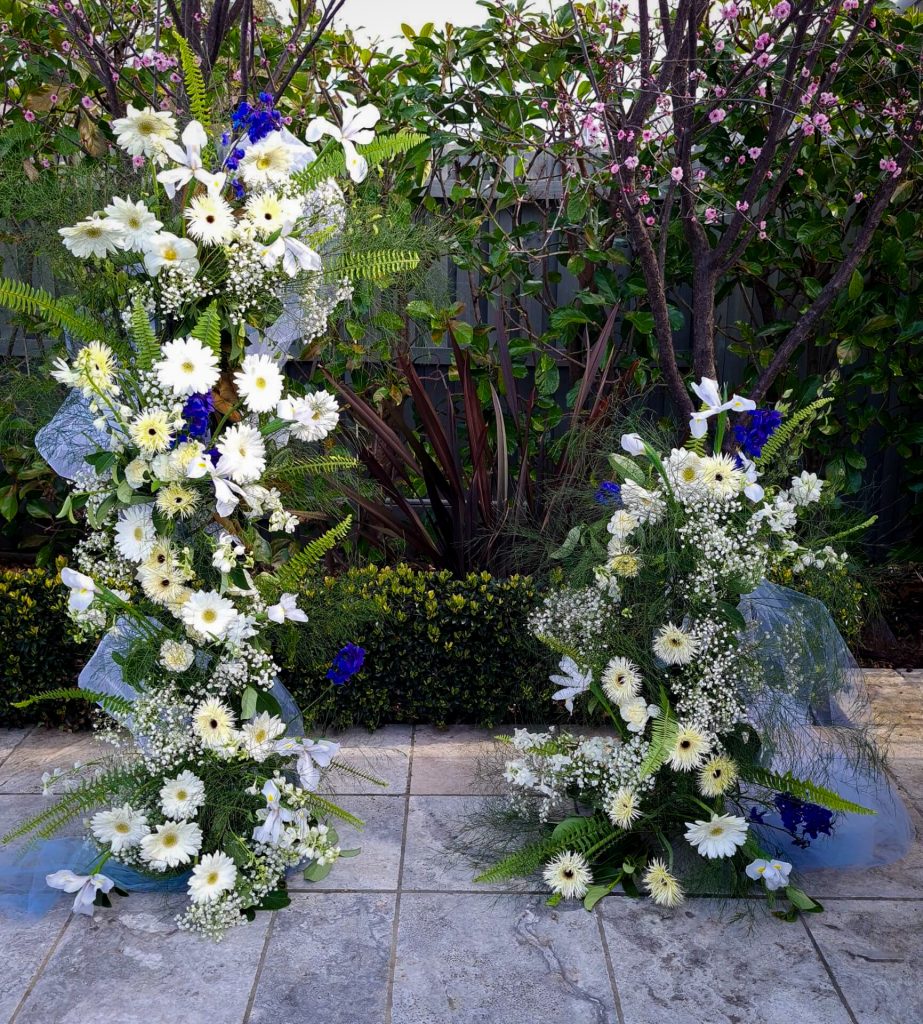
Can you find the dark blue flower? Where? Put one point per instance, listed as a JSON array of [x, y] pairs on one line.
[[755, 815], [257, 121], [346, 664], [213, 454], [609, 493], [761, 425], [196, 412], [802, 820], [239, 190]]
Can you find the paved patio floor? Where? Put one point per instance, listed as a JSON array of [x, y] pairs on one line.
[[401, 935]]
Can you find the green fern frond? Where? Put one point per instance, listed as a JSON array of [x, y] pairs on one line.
[[559, 648], [318, 465], [585, 836], [208, 328], [147, 347], [695, 444], [795, 424], [858, 528], [108, 702], [663, 738], [290, 575], [332, 163], [802, 789], [358, 773], [326, 808], [193, 82], [373, 264], [20, 297]]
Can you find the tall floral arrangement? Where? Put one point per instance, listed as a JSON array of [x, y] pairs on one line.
[[179, 420], [695, 784]]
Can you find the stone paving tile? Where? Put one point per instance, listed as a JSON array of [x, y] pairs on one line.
[[696, 964], [439, 844], [25, 941], [132, 965], [10, 739], [384, 753], [455, 761], [327, 960], [41, 751], [378, 866], [875, 950], [909, 775], [498, 959]]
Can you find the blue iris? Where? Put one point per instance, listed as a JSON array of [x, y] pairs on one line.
[[346, 663], [763, 423], [609, 493]]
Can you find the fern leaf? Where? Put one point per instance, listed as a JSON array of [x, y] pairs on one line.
[[802, 789], [326, 808], [373, 264], [208, 328], [319, 465], [193, 82], [585, 836], [799, 422], [358, 773], [290, 575], [146, 345], [20, 297], [663, 737], [559, 648], [333, 163], [110, 703]]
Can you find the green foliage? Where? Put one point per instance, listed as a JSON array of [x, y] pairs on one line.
[[110, 703], [146, 344], [291, 573], [22, 298], [580, 834], [193, 82], [373, 264], [332, 162], [801, 788], [791, 435], [208, 328]]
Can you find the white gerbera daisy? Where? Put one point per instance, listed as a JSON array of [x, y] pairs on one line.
[[136, 222], [568, 875], [176, 656], [177, 500], [663, 886], [214, 874], [143, 132], [259, 734], [188, 367], [95, 368], [688, 750], [314, 415], [674, 645], [95, 236], [214, 723], [208, 613], [134, 532], [120, 828], [151, 431], [623, 808], [719, 837], [171, 844], [721, 476], [211, 220], [259, 382], [243, 454], [163, 584], [183, 796], [267, 162], [268, 212], [169, 250], [621, 679], [717, 776]]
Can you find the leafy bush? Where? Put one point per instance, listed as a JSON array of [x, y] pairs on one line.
[[439, 649], [37, 651]]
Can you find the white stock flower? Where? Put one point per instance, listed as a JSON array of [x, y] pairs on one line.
[[622, 524], [208, 613], [806, 488], [357, 128], [259, 382], [719, 837], [636, 713], [120, 828], [169, 250], [314, 415], [243, 454], [215, 874], [134, 532], [95, 236], [183, 796], [135, 221], [171, 844], [187, 367], [144, 132]]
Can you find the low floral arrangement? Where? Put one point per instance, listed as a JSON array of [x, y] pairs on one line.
[[179, 422], [688, 791]]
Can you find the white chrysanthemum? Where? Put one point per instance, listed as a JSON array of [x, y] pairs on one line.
[[662, 885], [136, 222], [806, 488], [268, 212], [259, 734], [135, 533], [120, 828], [187, 367], [688, 750], [176, 656], [623, 808], [684, 468], [314, 415], [674, 645], [208, 613], [621, 679], [169, 250], [719, 837], [636, 713], [137, 473], [171, 844], [144, 132], [721, 476], [622, 524], [214, 722], [267, 162], [210, 219], [215, 874], [163, 584], [95, 236], [568, 875], [243, 454], [259, 382], [646, 506], [183, 796], [151, 431], [717, 776]]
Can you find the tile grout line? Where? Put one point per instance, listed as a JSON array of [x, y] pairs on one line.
[[609, 970], [31, 729], [40, 970], [829, 970], [259, 968], [395, 924]]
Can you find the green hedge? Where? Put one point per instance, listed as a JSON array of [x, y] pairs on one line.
[[36, 650]]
